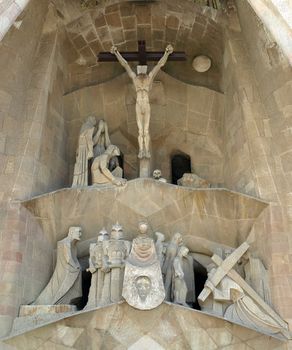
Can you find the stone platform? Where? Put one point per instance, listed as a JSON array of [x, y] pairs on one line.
[[122, 327], [210, 214], [32, 316]]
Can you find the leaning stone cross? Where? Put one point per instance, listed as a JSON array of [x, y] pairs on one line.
[[225, 267]]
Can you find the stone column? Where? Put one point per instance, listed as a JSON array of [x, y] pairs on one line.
[[9, 11], [26, 60], [258, 100], [277, 17]]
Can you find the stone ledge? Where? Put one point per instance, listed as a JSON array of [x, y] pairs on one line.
[[186, 328]]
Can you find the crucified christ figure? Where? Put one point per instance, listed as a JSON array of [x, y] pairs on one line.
[[143, 84]]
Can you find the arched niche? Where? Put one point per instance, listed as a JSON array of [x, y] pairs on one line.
[[91, 31], [180, 164]]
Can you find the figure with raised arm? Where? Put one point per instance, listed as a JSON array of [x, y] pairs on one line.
[[143, 84]]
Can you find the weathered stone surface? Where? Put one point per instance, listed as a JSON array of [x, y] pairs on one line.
[[246, 147], [29, 310], [212, 214], [166, 327]]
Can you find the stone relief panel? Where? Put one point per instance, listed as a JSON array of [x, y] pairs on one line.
[[184, 118], [146, 271]]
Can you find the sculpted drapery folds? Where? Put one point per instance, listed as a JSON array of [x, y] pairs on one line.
[[84, 153], [65, 284], [100, 168], [90, 145], [167, 268], [120, 270]]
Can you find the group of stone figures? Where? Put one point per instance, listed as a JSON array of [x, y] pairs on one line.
[[94, 146], [145, 273]]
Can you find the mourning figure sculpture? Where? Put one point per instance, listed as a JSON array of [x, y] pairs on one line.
[[92, 143], [84, 153], [101, 139], [100, 172], [65, 284]]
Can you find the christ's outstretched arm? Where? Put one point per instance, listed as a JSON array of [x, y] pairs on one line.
[[161, 62], [123, 62]]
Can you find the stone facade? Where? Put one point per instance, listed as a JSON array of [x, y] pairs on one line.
[[258, 86], [234, 122], [166, 327], [184, 118]]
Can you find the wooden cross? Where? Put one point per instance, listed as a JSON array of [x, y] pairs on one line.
[[142, 56]]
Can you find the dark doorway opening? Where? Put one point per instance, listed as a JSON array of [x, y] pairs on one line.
[[86, 282], [200, 279], [180, 164]]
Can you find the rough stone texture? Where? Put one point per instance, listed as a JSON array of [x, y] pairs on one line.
[[9, 11], [210, 214], [21, 107], [38, 64], [277, 17], [29, 310], [122, 327], [258, 141], [186, 27]]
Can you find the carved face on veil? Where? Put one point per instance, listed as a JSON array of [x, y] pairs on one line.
[[143, 285]]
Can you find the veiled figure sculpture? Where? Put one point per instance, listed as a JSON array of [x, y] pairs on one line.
[[91, 144], [84, 153], [101, 139], [65, 284], [100, 172], [143, 284]]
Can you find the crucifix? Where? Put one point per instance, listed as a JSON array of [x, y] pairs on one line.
[[142, 83]]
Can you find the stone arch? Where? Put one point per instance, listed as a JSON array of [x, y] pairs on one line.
[[180, 164], [186, 27]]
